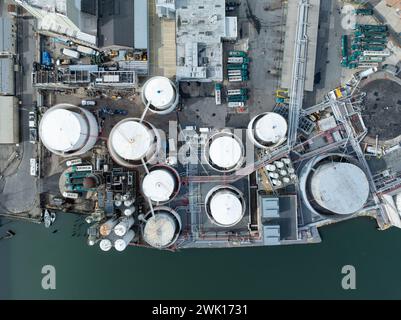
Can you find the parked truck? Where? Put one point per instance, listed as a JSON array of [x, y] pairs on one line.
[[237, 67], [217, 90], [238, 60], [237, 53], [236, 92], [70, 53]]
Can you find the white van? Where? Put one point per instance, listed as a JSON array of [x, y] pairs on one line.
[[34, 167]]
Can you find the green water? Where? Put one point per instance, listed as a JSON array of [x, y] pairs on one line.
[[312, 271]]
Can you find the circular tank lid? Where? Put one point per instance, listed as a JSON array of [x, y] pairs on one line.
[[120, 230], [160, 92], [120, 245], [160, 230], [105, 245], [341, 188], [61, 130], [131, 140], [271, 128], [225, 152], [159, 185], [226, 208]]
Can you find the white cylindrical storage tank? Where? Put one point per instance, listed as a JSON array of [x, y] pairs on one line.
[[274, 175], [129, 211], [267, 130], [128, 203], [225, 206], [271, 167], [161, 94], [277, 183], [121, 244], [224, 152], [106, 228], [132, 141], [105, 245], [68, 130], [334, 185], [123, 226], [162, 229], [161, 184]]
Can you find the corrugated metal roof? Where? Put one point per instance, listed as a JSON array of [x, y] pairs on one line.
[[9, 126], [7, 86], [271, 235], [270, 208], [141, 24], [8, 32]]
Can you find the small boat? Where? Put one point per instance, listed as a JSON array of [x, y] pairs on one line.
[[49, 218]]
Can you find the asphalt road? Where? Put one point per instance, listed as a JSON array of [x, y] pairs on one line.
[[20, 190]]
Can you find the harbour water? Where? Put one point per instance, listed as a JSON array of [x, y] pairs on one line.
[[293, 272]]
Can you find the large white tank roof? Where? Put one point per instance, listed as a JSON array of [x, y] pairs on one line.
[[226, 208], [226, 152], [160, 230], [63, 130], [159, 185], [271, 128], [341, 188], [131, 140], [160, 92]]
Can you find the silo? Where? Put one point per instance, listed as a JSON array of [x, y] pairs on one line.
[[106, 228], [132, 142], [162, 229], [123, 226], [225, 206], [122, 243], [161, 184], [105, 245], [161, 94], [224, 152], [334, 185], [68, 130], [267, 130]]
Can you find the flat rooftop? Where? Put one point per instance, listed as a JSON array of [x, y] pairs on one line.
[[289, 45], [201, 25]]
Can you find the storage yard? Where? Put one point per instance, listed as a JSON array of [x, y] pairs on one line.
[[239, 148]]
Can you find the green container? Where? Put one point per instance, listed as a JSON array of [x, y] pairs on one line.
[[237, 53]]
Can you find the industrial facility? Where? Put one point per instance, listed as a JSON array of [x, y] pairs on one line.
[[173, 125]]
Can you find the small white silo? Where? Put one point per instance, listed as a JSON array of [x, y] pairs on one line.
[[122, 243], [267, 130], [123, 226], [105, 245], [161, 94]]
